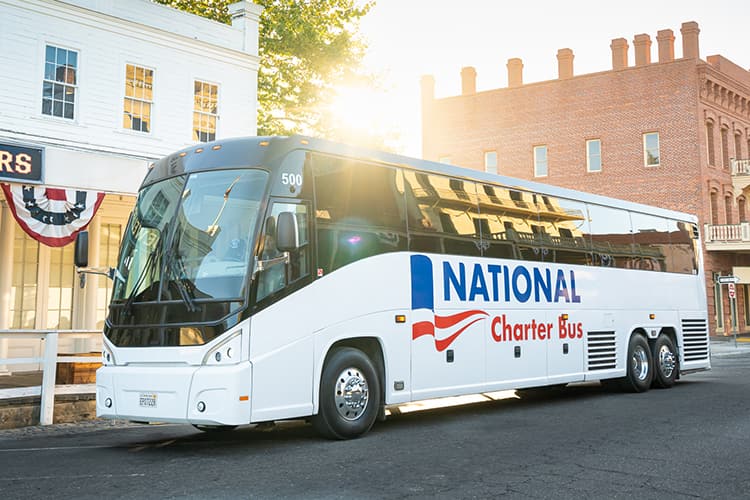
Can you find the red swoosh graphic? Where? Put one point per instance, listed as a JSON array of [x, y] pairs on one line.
[[449, 321], [422, 328], [443, 344]]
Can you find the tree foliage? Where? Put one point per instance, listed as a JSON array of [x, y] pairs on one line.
[[307, 49]]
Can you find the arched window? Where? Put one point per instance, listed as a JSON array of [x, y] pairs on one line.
[[728, 209], [714, 208], [741, 209], [710, 142]]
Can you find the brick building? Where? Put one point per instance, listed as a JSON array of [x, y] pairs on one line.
[[670, 132]]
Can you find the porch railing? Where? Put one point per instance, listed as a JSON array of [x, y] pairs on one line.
[[47, 358]]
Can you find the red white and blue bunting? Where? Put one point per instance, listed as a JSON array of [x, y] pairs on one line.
[[50, 215]]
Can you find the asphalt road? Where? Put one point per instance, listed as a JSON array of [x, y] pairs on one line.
[[691, 441]]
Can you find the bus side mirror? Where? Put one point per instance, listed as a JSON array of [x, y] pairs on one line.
[[287, 232], [81, 255]]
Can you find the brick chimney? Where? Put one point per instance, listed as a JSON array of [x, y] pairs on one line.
[[564, 64], [468, 80], [619, 48], [690, 32], [665, 39], [642, 44], [515, 72]]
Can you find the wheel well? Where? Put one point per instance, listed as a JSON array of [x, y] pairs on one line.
[[372, 348], [639, 331]]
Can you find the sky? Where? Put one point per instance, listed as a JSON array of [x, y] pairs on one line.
[[410, 38]]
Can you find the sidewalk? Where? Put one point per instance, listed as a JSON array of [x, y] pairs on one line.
[[20, 401]]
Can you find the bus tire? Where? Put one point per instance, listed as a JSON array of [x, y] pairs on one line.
[[349, 398], [639, 364], [665, 362]]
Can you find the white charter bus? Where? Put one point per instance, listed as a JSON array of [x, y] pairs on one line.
[[274, 278]]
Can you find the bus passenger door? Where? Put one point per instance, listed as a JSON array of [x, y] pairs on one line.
[[280, 329]]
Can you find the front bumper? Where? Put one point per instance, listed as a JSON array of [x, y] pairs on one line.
[[173, 393]]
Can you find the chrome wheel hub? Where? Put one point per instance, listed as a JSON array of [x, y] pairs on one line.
[[639, 363], [351, 394], [666, 360]]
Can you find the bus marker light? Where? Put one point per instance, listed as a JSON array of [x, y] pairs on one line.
[[401, 318], [218, 357], [183, 154], [245, 398], [564, 317], [201, 406], [108, 402], [304, 141], [199, 150], [217, 147], [652, 316], [263, 143]]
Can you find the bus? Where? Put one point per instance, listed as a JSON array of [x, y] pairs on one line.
[[270, 278]]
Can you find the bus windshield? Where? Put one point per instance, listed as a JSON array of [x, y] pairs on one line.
[[189, 239]]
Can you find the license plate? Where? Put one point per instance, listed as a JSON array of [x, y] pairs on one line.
[[147, 400]]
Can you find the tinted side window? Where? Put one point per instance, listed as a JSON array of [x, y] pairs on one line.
[[359, 211], [683, 248], [650, 242], [611, 237], [443, 214], [567, 230], [515, 228]]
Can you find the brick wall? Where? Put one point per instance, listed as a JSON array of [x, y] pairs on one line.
[[674, 98]]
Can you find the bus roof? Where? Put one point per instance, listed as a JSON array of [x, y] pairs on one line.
[[262, 151]]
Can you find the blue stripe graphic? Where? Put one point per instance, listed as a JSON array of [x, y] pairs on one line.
[[421, 283]]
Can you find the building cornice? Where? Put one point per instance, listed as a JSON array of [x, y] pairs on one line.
[[69, 11]]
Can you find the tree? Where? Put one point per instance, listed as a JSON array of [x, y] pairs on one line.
[[307, 48]]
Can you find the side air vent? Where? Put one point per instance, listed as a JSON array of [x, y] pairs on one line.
[[602, 350], [695, 339]]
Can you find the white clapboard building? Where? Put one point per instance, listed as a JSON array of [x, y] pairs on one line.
[[91, 92]]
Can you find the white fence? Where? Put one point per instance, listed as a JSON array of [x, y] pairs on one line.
[[40, 350]]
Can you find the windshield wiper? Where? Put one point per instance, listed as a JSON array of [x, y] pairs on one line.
[[153, 257], [176, 269]]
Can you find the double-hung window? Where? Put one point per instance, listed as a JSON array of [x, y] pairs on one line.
[[139, 98], [490, 162], [60, 82], [205, 111], [540, 161], [651, 149], [594, 155]]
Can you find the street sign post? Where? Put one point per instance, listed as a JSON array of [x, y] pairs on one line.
[[726, 280]]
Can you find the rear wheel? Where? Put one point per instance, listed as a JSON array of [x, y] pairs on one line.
[[349, 395], [640, 366], [665, 362]]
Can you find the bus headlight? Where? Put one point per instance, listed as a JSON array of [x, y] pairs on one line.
[[226, 352], [107, 357]]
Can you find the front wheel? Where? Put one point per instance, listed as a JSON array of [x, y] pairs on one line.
[[349, 395], [640, 366], [665, 362]]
